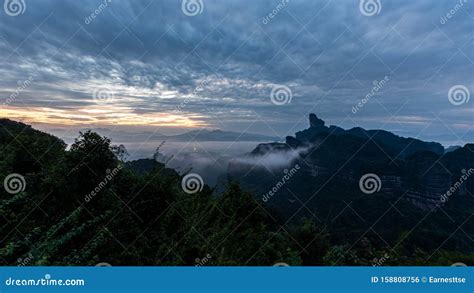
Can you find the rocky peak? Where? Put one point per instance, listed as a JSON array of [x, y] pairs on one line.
[[314, 121]]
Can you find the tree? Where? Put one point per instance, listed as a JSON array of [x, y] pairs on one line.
[[89, 159]]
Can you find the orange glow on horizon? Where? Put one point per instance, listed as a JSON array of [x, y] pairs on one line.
[[98, 116]]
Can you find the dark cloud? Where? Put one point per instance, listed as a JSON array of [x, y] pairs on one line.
[[226, 60]]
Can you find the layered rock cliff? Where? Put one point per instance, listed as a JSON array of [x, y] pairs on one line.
[[419, 172]]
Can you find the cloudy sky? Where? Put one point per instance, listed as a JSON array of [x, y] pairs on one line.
[[256, 66]]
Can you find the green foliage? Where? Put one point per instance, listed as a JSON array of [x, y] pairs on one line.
[[84, 206]]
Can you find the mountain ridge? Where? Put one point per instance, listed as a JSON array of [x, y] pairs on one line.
[[413, 176], [212, 135]]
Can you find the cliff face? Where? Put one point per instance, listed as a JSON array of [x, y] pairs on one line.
[[332, 158], [411, 184]]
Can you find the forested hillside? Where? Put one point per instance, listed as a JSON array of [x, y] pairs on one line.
[[83, 205]]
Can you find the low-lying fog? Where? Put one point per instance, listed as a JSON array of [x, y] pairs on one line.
[[208, 159]]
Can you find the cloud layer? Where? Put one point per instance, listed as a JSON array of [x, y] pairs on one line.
[[148, 63]]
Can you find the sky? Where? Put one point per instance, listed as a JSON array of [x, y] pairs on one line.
[[249, 66]]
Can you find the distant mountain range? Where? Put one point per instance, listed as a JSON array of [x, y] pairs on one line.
[[220, 135], [194, 135]]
